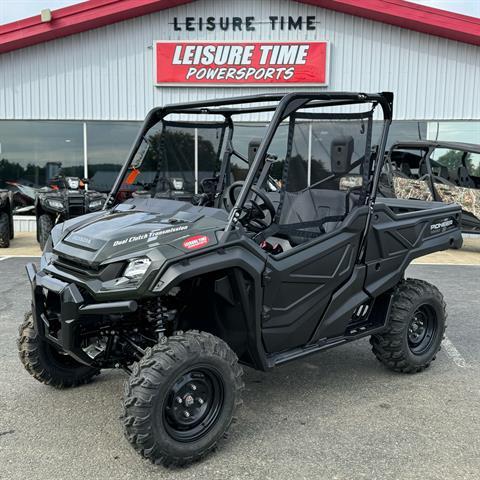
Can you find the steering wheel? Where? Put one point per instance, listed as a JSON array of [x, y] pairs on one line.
[[253, 212]]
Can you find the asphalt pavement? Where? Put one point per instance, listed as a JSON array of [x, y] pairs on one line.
[[336, 415]]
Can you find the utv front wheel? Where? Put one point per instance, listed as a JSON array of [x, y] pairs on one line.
[[415, 330], [47, 364], [181, 398], [5, 233], [44, 226]]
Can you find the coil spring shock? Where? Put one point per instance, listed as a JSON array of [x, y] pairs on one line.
[[160, 317]]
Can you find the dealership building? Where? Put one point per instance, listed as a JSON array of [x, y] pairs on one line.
[[75, 83]]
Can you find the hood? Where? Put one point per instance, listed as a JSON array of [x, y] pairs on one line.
[[133, 228]]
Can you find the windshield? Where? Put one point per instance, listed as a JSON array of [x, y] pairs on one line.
[[174, 160], [320, 153]]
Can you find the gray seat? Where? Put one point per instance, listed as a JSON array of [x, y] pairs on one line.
[[405, 169], [444, 173], [313, 205], [464, 179]]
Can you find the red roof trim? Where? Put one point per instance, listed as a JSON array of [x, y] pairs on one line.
[[98, 13], [412, 16], [77, 18]]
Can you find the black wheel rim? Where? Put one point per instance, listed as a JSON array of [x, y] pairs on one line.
[[422, 329], [193, 404]]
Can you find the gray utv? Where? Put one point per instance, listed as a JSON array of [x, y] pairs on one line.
[[204, 259]]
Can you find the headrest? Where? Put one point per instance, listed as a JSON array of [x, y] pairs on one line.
[[464, 177], [341, 152], [405, 168], [253, 147], [444, 173]]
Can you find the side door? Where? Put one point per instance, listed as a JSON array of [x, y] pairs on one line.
[[299, 283]]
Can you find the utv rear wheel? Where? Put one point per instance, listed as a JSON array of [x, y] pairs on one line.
[[44, 226], [181, 398], [5, 233], [416, 328], [46, 363]]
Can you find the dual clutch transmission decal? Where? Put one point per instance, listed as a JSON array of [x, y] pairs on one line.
[[150, 236]]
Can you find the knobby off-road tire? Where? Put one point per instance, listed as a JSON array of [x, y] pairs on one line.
[[46, 364], [416, 328], [44, 225], [5, 233], [172, 379]]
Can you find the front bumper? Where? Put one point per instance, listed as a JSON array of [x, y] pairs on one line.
[[57, 310]]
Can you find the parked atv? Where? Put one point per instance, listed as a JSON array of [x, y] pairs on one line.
[[178, 294], [64, 198], [439, 171], [6, 218]]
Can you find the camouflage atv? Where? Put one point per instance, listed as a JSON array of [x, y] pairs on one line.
[[6, 218], [446, 172]]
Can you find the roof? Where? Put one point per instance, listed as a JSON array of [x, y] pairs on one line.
[[423, 144], [98, 13]]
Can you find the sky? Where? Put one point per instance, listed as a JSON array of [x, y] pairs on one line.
[[11, 10]]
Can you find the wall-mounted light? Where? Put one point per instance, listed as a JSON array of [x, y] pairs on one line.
[[46, 15]]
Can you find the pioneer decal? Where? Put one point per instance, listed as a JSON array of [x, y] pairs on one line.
[[150, 236], [441, 226]]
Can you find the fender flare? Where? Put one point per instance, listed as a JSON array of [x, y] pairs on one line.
[[230, 258]]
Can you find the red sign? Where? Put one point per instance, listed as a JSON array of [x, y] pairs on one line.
[[246, 63], [195, 242]]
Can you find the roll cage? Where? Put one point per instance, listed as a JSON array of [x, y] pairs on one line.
[[282, 106]]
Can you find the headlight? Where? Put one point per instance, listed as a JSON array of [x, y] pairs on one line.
[[95, 204], [134, 272], [73, 183], [137, 268], [56, 204], [177, 183]]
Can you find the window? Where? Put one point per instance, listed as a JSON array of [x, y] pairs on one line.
[[473, 164], [32, 152], [400, 131], [455, 131], [108, 145], [444, 160]]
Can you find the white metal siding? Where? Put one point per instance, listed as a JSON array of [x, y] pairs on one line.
[[24, 223], [107, 73]]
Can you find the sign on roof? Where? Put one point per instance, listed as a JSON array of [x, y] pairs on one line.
[[245, 63]]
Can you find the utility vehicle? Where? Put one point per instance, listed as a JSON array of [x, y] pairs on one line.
[[289, 261], [6, 218], [440, 171], [64, 198]]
